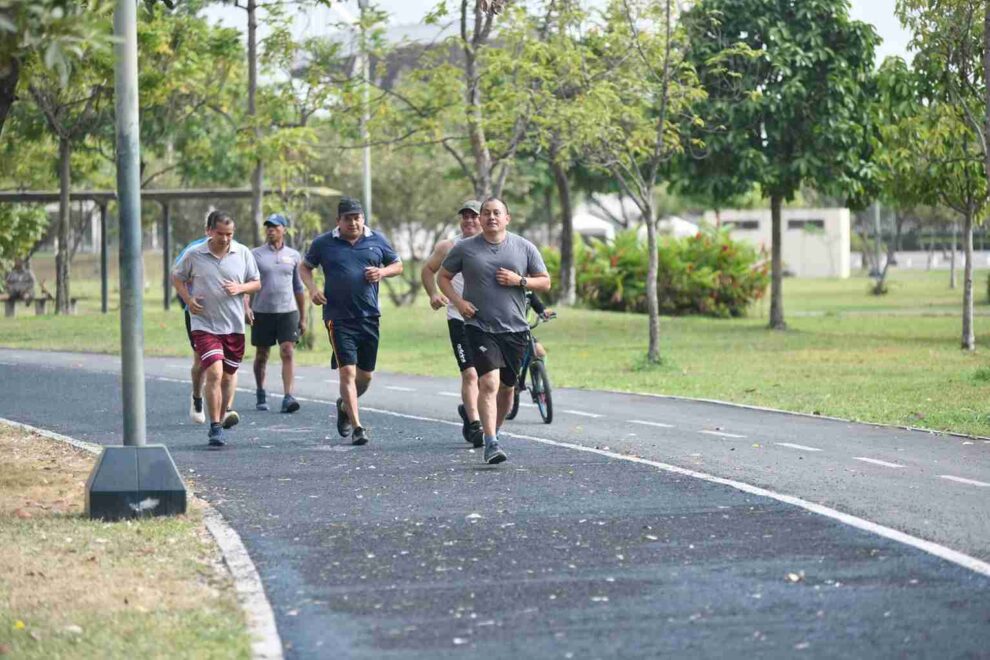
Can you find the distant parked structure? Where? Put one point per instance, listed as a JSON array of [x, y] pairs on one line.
[[815, 241]]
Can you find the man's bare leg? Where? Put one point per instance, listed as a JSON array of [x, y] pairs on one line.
[[488, 386], [353, 383], [469, 393], [505, 396], [287, 353], [212, 393]]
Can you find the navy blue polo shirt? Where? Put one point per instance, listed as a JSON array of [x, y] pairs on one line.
[[349, 294]]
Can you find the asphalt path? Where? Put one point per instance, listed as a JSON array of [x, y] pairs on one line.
[[411, 547]]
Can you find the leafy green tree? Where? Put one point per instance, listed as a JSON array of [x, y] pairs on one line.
[[57, 33], [23, 227], [801, 118]]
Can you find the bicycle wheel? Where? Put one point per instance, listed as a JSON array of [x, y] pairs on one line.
[[542, 391], [515, 405]]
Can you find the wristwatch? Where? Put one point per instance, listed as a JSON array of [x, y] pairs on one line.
[[522, 282]]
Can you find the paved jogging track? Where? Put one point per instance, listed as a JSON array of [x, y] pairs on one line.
[[410, 547]]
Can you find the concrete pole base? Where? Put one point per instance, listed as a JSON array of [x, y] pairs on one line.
[[134, 482]]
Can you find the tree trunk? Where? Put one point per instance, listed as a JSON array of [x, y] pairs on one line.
[[777, 267], [968, 336], [568, 284], [62, 255], [952, 257], [257, 176], [475, 118], [652, 294], [9, 75]]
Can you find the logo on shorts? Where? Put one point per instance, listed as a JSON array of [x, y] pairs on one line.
[[482, 349]]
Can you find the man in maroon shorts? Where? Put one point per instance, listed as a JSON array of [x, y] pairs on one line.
[[221, 271]]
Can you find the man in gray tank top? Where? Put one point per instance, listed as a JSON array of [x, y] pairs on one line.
[[498, 269], [468, 409]]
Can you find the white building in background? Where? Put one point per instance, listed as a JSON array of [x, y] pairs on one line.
[[815, 241]]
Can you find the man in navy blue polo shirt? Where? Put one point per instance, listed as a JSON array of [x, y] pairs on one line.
[[354, 260]]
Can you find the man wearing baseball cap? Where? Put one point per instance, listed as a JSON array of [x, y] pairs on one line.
[[468, 409], [278, 311], [354, 260]]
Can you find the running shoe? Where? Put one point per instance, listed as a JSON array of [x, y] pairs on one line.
[[216, 436], [462, 411], [360, 436], [476, 436], [343, 422], [289, 404], [262, 400], [231, 419], [494, 454], [196, 412]]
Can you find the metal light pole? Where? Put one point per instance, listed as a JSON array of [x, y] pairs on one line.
[[365, 110], [136, 479]]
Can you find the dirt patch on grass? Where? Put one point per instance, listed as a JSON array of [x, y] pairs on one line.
[[70, 586]]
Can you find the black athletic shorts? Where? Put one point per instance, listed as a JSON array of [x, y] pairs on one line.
[[189, 330], [271, 329], [458, 341], [504, 351], [354, 341]]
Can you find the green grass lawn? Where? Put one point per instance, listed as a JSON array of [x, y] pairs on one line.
[[893, 359]]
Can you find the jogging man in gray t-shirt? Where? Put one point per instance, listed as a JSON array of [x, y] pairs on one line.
[[498, 268], [221, 271], [278, 312]]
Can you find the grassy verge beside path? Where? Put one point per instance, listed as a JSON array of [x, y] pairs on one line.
[[75, 588], [893, 359]]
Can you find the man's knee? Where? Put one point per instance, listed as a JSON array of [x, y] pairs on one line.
[[488, 383], [286, 350], [363, 381], [213, 372], [261, 357], [470, 376]]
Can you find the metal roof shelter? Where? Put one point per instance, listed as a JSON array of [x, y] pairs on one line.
[[102, 199]]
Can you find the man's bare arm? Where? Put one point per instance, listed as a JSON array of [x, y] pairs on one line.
[[428, 274], [445, 279], [306, 274]]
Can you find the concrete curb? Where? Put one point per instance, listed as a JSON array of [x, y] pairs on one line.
[[265, 641]]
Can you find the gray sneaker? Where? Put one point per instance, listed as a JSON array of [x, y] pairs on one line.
[[494, 454], [476, 435], [231, 418], [262, 403], [360, 436], [216, 436], [289, 404]]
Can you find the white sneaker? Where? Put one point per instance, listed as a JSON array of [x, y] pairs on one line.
[[197, 416]]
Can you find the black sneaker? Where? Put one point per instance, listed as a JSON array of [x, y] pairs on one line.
[[464, 419], [289, 404], [360, 436], [216, 436], [231, 419], [344, 427], [476, 435], [494, 454], [262, 403]]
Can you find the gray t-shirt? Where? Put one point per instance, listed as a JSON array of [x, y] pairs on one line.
[[500, 308], [223, 314], [280, 279]]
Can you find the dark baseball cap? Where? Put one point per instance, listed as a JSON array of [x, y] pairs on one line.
[[470, 205], [348, 205], [277, 219]]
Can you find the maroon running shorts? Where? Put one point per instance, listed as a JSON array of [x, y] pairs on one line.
[[211, 348]]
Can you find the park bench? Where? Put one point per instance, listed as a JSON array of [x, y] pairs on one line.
[[41, 304]]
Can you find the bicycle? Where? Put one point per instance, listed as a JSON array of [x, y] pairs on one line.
[[539, 387]]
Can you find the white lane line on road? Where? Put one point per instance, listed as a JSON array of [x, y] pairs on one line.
[[722, 434], [456, 395], [331, 380], [396, 388], [791, 445], [579, 412], [932, 548], [523, 404], [259, 616], [659, 425], [877, 461], [964, 480]]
